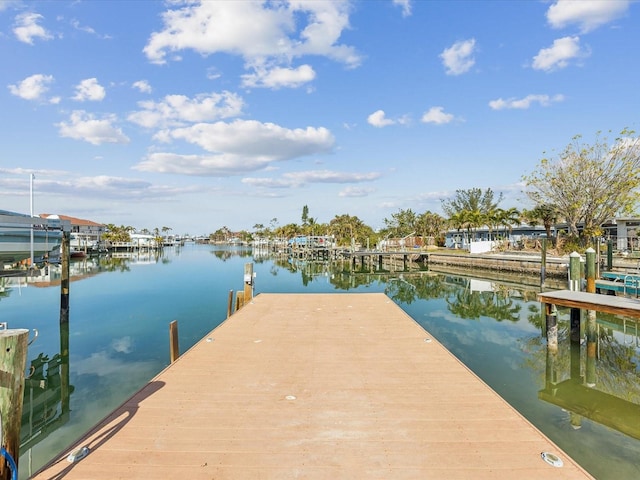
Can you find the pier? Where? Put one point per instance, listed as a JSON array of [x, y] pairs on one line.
[[316, 386]]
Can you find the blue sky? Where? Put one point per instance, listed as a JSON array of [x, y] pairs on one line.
[[197, 115]]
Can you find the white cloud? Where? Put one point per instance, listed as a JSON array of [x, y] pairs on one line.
[[175, 110], [142, 86], [89, 89], [379, 120], [5, 4], [279, 77], [559, 54], [237, 147], [83, 126], [299, 179], [356, 192], [26, 28], [588, 14], [437, 115], [524, 103], [261, 32], [405, 5], [458, 58], [32, 88]]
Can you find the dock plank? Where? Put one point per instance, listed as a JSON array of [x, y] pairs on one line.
[[592, 301], [315, 386]]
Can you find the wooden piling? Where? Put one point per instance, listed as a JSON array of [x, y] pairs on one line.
[[173, 341], [65, 254], [13, 345], [248, 282], [239, 300], [543, 263], [230, 304], [574, 272]]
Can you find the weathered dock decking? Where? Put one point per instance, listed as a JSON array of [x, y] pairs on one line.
[[316, 386], [592, 301]]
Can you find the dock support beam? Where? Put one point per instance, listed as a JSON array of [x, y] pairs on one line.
[[173, 340], [65, 252], [13, 361]]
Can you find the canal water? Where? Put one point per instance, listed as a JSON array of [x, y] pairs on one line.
[[118, 337]]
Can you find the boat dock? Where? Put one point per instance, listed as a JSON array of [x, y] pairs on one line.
[[592, 301], [316, 386]]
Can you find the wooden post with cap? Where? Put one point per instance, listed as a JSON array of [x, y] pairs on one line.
[[13, 344]]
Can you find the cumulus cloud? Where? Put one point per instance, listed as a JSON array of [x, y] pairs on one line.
[[524, 103], [279, 77], [587, 14], [237, 147], [176, 110], [26, 28], [458, 58], [300, 179], [142, 86], [83, 126], [32, 88], [89, 90], [437, 115], [405, 5], [559, 54], [378, 119], [356, 192], [262, 33]]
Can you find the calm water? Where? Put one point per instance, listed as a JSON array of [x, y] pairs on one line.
[[120, 310]]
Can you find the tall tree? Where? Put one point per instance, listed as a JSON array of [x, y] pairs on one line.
[[348, 227], [589, 184], [431, 225], [545, 213], [472, 200], [401, 223]]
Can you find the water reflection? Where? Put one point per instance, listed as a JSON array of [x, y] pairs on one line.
[[494, 325], [596, 377]]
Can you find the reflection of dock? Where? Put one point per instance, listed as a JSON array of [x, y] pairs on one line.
[[317, 386], [601, 407], [579, 394]]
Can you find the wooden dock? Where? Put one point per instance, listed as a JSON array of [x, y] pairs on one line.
[[592, 301], [316, 386]]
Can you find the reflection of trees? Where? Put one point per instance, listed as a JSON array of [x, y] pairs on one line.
[[225, 254], [114, 264], [492, 304], [409, 288]]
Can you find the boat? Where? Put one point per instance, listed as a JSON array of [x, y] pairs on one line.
[[17, 242]]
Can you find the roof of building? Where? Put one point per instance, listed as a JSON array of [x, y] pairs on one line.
[[73, 220]]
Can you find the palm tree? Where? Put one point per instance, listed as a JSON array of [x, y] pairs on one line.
[[546, 213]]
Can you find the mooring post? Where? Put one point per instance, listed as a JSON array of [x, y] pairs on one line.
[[230, 304], [591, 318], [248, 282], [173, 341], [590, 270], [574, 272], [609, 255], [239, 300], [543, 262], [65, 254], [13, 361]]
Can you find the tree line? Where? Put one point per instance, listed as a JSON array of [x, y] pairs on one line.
[[583, 187]]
